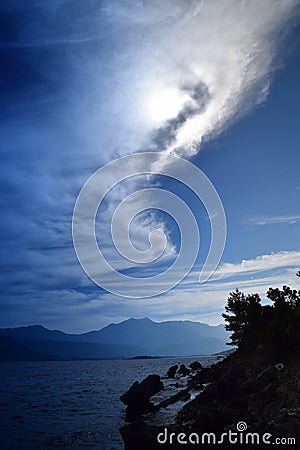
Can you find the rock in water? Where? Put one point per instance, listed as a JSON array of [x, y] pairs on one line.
[[196, 365], [183, 370], [138, 395], [172, 370]]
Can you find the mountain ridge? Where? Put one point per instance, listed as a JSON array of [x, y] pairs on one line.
[[128, 338]]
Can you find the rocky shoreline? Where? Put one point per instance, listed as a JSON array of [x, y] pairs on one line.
[[248, 402]]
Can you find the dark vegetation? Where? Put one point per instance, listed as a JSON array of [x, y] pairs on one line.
[[271, 330]]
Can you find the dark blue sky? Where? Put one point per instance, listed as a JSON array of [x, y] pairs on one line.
[[83, 83]]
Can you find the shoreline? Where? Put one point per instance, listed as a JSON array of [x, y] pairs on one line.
[[265, 398]]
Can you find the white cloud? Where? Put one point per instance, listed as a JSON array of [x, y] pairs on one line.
[[226, 46], [261, 263], [275, 220]]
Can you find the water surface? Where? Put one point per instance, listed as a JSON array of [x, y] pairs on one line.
[[71, 404]]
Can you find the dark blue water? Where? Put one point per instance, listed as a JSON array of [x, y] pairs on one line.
[[71, 405]]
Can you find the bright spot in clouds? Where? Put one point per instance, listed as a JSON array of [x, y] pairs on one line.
[[164, 104]]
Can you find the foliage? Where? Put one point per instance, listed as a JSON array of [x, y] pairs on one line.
[[244, 312], [276, 327]]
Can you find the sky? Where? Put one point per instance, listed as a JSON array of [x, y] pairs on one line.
[[84, 84]]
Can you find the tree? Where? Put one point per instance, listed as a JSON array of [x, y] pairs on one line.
[[242, 315], [275, 328], [285, 300]]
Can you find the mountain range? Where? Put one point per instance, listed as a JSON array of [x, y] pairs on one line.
[[130, 338]]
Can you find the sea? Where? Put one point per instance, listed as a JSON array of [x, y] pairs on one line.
[[75, 404]]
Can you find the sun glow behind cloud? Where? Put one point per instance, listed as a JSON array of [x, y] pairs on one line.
[[227, 47], [164, 103]]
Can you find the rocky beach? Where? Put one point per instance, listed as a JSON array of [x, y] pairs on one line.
[[238, 399]]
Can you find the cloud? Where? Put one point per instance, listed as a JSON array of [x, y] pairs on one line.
[[263, 263], [165, 137], [274, 220], [89, 308], [226, 48], [216, 59]]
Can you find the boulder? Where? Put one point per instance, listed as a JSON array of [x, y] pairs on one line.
[[171, 371], [138, 395], [196, 365], [139, 435], [183, 370]]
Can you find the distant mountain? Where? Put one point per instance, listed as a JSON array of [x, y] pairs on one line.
[[130, 338], [165, 338]]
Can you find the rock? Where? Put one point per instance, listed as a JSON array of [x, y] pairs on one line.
[[138, 435], [286, 423], [138, 395], [183, 370], [267, 375], [172, 370], [182, 395], [196, 365]]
